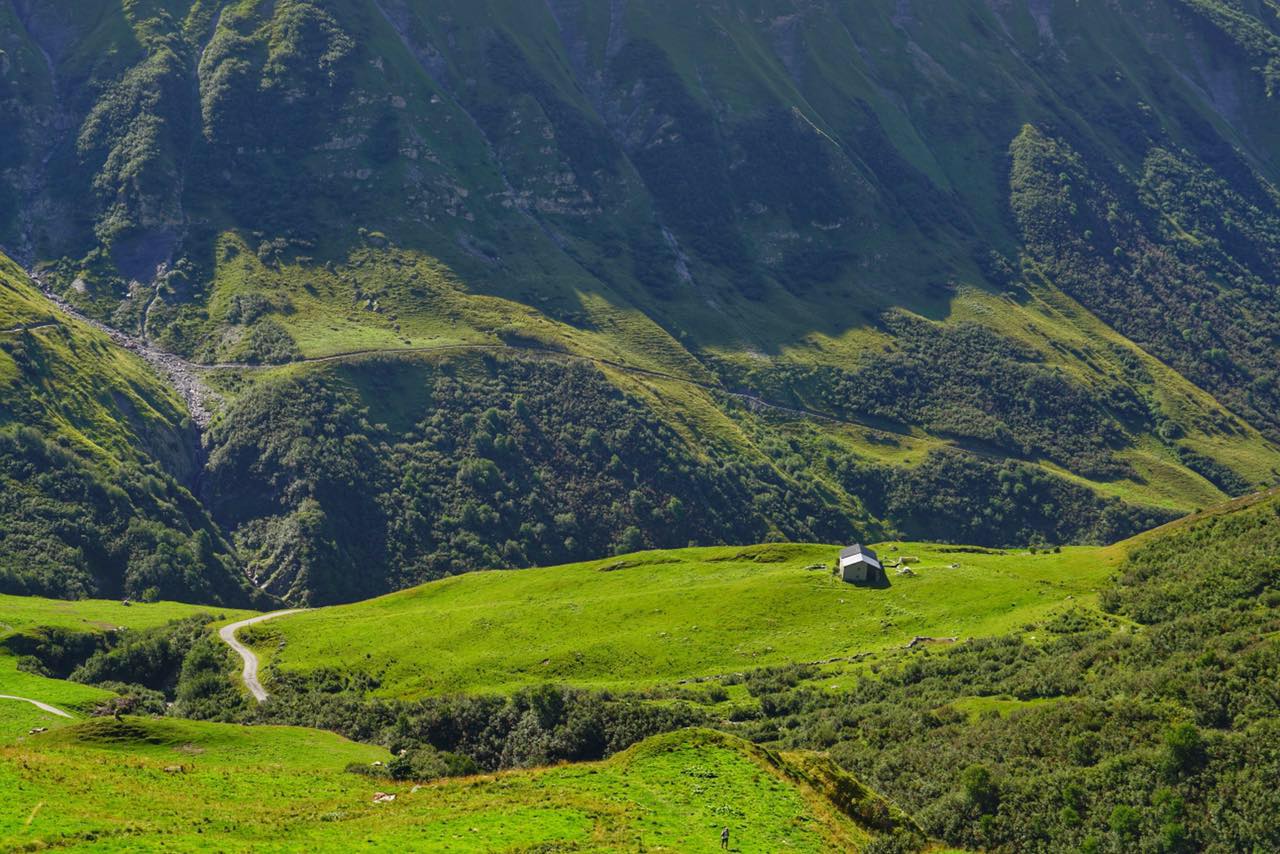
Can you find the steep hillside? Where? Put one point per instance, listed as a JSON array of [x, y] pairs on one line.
[[1019, 257], [96, 457]]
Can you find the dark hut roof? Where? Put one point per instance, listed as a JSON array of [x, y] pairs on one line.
[[856, 549]]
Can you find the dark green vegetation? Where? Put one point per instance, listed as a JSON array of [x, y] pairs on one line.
[[1150, 727], [1023, 255]]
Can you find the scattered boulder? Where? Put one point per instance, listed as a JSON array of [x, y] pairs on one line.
[[383, 798], [37, 730]]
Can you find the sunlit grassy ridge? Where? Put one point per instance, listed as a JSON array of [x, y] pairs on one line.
[[70, 380], [231, 788], [657, 617]]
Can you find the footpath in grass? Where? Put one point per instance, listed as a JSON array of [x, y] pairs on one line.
[[114, 786], [656, 617]]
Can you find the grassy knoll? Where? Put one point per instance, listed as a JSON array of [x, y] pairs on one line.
[[279, 788], [656, 617]]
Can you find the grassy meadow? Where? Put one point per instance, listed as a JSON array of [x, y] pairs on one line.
[[116, 786], [654, 618]]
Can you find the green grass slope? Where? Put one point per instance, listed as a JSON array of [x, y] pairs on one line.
[[197, 786], [659, 617]]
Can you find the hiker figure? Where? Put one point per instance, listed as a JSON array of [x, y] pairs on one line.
[[724, 838]]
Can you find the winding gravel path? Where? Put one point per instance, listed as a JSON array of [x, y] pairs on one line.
[[44, 707], [250, 674]]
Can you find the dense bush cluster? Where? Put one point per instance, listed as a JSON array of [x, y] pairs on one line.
[[74, 530], [442, 736], [152, 659]]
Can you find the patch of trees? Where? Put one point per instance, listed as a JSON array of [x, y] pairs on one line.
[[142, 665], [151, 658], [443, 736], [74, 530]]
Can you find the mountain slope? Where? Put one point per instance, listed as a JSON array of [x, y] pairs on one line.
[[96, 456], [1020, 254]]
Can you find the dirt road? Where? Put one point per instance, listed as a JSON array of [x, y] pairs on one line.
[[250, 674]]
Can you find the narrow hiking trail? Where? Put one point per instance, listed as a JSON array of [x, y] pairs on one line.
[[44, 707], [28, 327], [250, 672]]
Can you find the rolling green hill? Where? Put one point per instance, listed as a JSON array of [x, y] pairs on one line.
[[672, 793], [1004, 271], [658, 618]]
